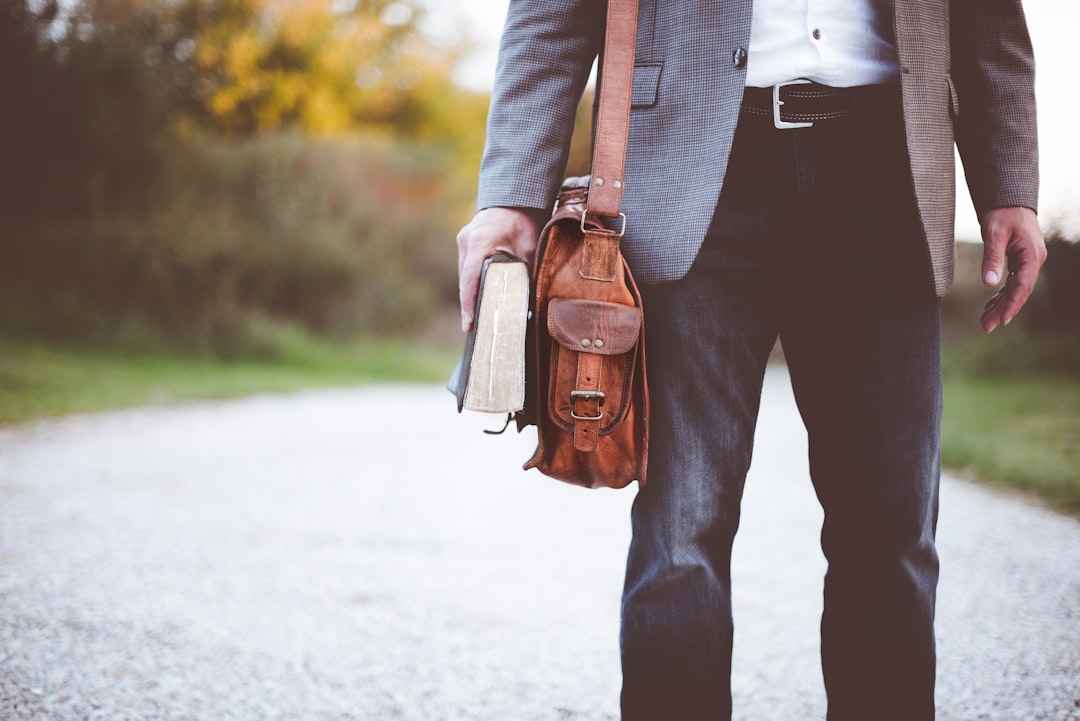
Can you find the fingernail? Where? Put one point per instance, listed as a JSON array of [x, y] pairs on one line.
[[992, 277]]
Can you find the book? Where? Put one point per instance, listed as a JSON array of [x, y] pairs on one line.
[[490, 377]]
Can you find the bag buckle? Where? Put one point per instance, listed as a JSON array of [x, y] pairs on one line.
[[622, 231], [777, 102], [575, 396]]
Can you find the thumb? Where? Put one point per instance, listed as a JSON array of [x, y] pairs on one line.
[[993, 262]]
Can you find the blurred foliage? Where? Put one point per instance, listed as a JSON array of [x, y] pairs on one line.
[[1044, 338], [85, 118], [579, 161], [246, 66], [97, 94], [246, 238], [212, 171]]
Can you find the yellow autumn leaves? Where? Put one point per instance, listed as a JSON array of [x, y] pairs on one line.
[[321, 67]]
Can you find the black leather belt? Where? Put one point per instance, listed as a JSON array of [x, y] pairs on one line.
[[801, 103]]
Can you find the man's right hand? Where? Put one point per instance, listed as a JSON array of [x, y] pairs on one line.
[[1012, 240], [514, 231]]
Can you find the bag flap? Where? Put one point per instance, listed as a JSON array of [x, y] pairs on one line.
[[594, 326]]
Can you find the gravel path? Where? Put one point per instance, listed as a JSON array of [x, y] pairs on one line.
[[366, 554]]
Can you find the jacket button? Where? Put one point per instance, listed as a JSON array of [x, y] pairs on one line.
[[738, 58]]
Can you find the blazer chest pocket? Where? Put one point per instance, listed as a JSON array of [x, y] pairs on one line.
[[646, 85]]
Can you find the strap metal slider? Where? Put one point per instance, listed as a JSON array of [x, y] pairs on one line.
[[622, 231]]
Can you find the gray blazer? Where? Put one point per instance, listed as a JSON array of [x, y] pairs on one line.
[[967, 75]]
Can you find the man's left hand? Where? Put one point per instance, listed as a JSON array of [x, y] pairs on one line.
[[1011, 238]]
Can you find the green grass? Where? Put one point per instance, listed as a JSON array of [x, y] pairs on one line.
[[42, 379], [1020, 432]]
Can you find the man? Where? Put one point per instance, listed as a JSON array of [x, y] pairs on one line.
[[790, 174]]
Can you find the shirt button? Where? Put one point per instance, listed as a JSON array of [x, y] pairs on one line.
[[817, 34], [738, 58]]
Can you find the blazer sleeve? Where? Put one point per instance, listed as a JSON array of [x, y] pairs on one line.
[[545, 55], [993, 70]]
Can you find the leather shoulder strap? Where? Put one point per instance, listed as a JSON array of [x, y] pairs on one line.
[[613, 114]]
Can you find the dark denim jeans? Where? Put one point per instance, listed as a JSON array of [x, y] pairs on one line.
[[814, 240]]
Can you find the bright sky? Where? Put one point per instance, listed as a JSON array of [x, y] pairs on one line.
[[1053, 27]]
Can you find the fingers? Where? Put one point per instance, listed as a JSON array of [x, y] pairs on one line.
[[471, 253], [1002, 306], [1012, 237], [492, 230]]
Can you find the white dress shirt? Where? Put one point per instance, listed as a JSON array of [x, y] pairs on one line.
[[842, 43]]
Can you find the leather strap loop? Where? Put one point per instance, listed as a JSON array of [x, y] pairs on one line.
[[588, 411], [600, 255]]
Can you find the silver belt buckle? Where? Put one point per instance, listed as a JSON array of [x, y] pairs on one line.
[[777, 102]]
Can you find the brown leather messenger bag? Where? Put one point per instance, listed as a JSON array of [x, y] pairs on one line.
[[586, 386]]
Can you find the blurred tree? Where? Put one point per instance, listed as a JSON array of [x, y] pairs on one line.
[[93, 90], [85, 112], [255, 66], [156, 163], [27, 66]]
